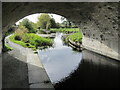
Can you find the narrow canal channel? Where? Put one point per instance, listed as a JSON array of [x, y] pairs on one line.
[[60, 60], [84, 69]]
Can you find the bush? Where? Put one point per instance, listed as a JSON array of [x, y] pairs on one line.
[[30, 26], [17, 38], [12, 38], [34, 41], [21, 34]]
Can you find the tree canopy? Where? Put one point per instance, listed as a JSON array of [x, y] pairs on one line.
[[46, 22], [67, 23], [28, 25]]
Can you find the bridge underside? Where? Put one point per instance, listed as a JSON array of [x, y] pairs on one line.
[[98, 21]]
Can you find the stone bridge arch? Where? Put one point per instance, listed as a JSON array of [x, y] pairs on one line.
[[98, 21]]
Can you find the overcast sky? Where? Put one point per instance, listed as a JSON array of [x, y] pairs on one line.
[[33, 18]]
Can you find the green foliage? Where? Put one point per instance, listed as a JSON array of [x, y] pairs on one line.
[[33, 42], [44, 21], [65, 30], [53, 23], [10, 30], [21, 34], [32, 27], [7, 48], [76, 37], [57, 25], [67, 23], [39, 41], [12, 38]]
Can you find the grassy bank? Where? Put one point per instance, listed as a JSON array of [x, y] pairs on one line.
[[76, 37], [31, 40], [64, 30]]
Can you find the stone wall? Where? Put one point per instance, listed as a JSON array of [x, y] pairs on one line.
[[101, 30], [98, 21]]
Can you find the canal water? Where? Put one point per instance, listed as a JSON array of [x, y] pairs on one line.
[[69, 69], [60, 60]]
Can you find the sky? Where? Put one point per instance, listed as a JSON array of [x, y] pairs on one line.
[[33, 18]]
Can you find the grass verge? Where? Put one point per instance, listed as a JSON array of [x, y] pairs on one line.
[[64, 30], [76, 37]]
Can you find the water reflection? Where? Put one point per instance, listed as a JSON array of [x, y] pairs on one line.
[[94, 71], [82, 70], [59, 61], [57, 41]]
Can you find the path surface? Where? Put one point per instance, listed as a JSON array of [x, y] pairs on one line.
[[23, 69]]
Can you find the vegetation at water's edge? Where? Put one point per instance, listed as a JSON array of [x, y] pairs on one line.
[[7, 48], [23, 33], [76, 37], [31, 40], [65, 30]]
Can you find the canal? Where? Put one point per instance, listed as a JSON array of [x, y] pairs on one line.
[[59, 60], [67, 68]]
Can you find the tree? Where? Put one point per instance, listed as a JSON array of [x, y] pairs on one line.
[[66, 23], [73, 25], [57, 25], [29, 25], [63, 19], [44, 21], [53, 23]]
